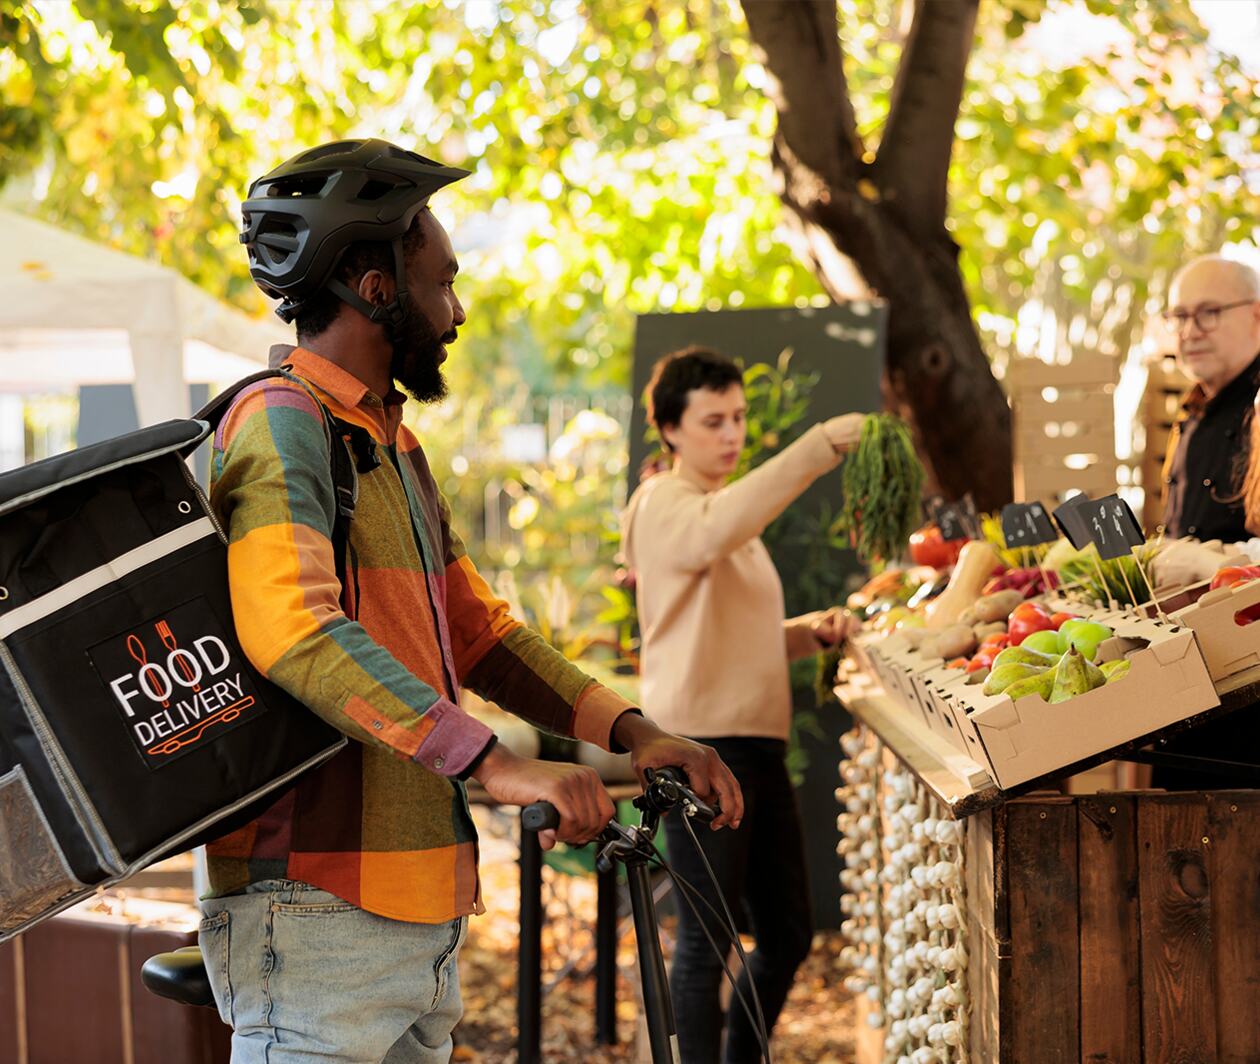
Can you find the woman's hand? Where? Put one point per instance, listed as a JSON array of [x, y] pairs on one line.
[[844, 431], [832, 627]]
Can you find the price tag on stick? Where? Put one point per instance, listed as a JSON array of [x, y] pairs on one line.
[[1074, 524], [958, 520], [1026, 524], [1113, 528]]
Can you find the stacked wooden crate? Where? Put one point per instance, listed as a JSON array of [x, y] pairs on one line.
[[1065, 437], [1165, 385]]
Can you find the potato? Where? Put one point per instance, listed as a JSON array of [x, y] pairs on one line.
[[956, 641], [984, 630], [968, 617], [915, 637], [930, 647], [998, 606]]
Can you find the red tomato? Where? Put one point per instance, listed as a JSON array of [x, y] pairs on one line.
[[998, 639], [957, 663], [1058, 619], [1233, 575], [928, 548], [1028, 617], [1248, 616]]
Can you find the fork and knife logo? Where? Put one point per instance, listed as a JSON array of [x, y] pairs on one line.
[[136, 648]]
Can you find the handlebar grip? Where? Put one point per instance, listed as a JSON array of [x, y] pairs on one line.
[[540, 816]]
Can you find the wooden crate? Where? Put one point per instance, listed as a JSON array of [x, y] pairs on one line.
[[1161, 400], [1062, 412], [1117, 927], [70, 990]]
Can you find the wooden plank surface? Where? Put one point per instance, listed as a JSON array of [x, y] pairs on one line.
[[1040, 1014], [1111, 1010], [956, 781], [1178, 1010], [1234, 872], [985, 953]]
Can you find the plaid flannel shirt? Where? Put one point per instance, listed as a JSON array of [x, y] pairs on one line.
[[385, 824]]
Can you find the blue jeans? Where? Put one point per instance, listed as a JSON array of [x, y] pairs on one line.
[[761, 870], [302, 976]]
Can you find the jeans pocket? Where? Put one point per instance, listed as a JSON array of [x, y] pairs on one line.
[[448, 959], [213, 935]]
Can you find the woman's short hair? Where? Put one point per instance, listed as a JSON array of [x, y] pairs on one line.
[[678, 374]]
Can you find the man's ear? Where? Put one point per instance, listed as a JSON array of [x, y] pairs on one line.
[[376, 287], [667, 434]]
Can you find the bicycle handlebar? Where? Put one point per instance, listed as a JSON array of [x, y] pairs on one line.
[[667, 788]]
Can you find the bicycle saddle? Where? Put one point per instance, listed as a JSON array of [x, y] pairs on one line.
[[180, 976]]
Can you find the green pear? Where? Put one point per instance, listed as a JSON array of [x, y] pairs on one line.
[[1116, 670], [1041, 684], [1002, 676], [1084, 636], [1023, 656], [1046, 642], [1073, 677]]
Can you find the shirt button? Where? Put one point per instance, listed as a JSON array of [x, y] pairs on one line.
[[438, 762], [1207, 482], [1192, 529]]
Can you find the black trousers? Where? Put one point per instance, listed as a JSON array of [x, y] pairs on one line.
[[761, 869]]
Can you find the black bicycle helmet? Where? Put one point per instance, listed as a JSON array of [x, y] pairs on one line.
[[301, 217]]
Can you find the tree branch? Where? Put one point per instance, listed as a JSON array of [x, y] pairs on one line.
[[800, 42], [912, 168]]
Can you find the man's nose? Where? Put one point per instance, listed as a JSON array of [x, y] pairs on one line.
[[460, 317]]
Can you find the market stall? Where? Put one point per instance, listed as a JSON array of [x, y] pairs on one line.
[[995, 914]]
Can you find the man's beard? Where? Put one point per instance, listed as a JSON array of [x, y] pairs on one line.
[[417, 350]]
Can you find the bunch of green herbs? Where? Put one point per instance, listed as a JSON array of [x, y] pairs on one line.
[[883, 485]]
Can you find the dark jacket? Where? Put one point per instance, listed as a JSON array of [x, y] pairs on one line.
[[1206, 461]]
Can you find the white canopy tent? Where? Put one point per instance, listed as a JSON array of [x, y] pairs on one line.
[[73, 312]]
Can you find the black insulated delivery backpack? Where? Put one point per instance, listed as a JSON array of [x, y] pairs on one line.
[[131, 725]]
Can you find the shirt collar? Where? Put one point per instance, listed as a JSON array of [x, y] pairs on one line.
[[1241, 390], [328, 377]]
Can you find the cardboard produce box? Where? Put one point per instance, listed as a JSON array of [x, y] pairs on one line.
[[938, 684], [1229, 644], [1019, 741]]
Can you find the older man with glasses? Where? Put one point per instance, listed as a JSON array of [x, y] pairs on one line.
[[1214, 312]]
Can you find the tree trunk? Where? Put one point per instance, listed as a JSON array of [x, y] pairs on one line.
[[886, 218]]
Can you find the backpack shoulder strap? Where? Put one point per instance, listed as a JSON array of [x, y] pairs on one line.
[[345, 480]]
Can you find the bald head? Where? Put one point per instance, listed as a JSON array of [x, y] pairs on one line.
[[1214, 305]]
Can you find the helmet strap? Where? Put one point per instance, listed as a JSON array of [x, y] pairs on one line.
[[392, 314]]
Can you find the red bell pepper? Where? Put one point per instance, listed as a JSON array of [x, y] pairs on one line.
[[1233, 575]]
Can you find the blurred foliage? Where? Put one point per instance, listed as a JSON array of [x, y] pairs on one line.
[[620, 149], [1098, 145]]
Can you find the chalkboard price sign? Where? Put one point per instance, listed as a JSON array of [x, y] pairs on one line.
[[1074, 523], [1026, 524], [958, 520], [1113, 528]]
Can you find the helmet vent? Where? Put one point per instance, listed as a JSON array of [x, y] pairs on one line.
[[375, 189], [298, 186]]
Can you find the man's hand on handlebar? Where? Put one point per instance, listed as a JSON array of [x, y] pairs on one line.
[[650, 747], [575, 790]]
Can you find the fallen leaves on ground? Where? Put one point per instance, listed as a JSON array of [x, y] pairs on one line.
[[816, 1026]]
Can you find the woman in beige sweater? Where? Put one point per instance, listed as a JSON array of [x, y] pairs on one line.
[[716, 647]]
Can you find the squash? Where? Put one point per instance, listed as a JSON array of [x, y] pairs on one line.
[[974, 567]]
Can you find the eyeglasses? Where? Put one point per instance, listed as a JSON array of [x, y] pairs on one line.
[[1205, 318]]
